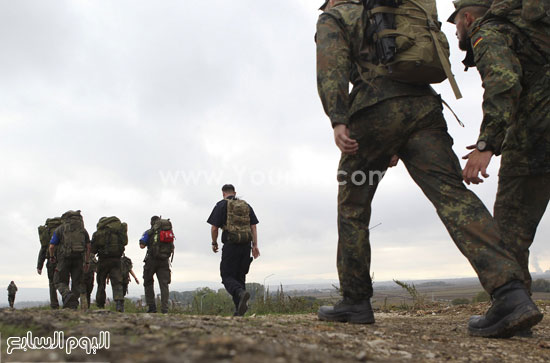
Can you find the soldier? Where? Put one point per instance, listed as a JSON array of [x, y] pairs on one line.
[[12, 289], [88, 283], [159, 240], [45, 233], [239, 237], [380, 118], [109, 242], [515, 72], [73, 252], [126, 266]]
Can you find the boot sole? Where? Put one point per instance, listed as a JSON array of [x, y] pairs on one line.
[[349, 317], [517, 321]]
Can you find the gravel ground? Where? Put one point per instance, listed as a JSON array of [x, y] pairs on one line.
[[432, 335]]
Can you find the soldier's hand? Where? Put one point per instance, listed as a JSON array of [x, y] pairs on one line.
[[393, 161], [255, 252], [469, 147], [478, 161], [137, 281], [39, 270], [346, 144], [214, 247]]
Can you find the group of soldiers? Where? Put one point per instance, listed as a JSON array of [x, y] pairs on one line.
[[70, 257], [391, 115]]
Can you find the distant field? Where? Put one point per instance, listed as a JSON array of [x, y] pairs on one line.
[[437, 292]]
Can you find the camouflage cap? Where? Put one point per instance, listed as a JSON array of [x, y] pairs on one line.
[[460, 4]]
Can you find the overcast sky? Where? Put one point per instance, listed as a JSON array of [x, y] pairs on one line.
[[136, 108]]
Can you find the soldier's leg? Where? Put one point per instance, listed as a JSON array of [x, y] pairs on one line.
[[102, 273], [246, 260], [77, 274], [90, 288], [11, 300], [164, 279], [115, 274], [434, 166], [61, 279], [520, 204], [54, 303], [380, 131], [149, 270], [229, 271]]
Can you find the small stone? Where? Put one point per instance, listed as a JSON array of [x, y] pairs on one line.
[[362, 356]]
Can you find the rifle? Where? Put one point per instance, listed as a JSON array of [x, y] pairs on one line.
[[385, 44]]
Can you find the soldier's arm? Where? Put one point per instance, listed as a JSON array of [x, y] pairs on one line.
[[255, 249], [134, 275], [500, 72], [214, 235], [41, 258], [333, 69]]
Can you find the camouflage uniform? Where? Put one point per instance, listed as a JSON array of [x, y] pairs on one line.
[[516, 123], [126, 266], [69, 268], [158, 266], [388, 117], [44, 255], [88, 282], [12, 289]]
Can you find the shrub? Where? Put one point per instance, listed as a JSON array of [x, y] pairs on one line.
[[540, 285], [481, 296], [460, 301]]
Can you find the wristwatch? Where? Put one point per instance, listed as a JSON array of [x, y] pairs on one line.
[[482, 145]]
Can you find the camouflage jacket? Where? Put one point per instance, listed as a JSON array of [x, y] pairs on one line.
[[339, 38], [516, 79]]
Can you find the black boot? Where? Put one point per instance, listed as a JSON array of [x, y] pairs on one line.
[[120, 306], [347, 311], [243, 300], [152, 308], [512, 311]]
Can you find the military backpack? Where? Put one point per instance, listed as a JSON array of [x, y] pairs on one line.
[[45, 232], [531, 17], [163, 239], [110, 238], [403, 41], [73, 236], [237, 225]]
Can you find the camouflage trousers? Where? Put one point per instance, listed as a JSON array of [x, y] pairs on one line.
[[11, 299], [87, 287], [415, 130], [108, 266], [520, 204], [160, 267], [54, 302], [69, 268]]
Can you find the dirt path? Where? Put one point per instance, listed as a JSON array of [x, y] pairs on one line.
[[423, 336]]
